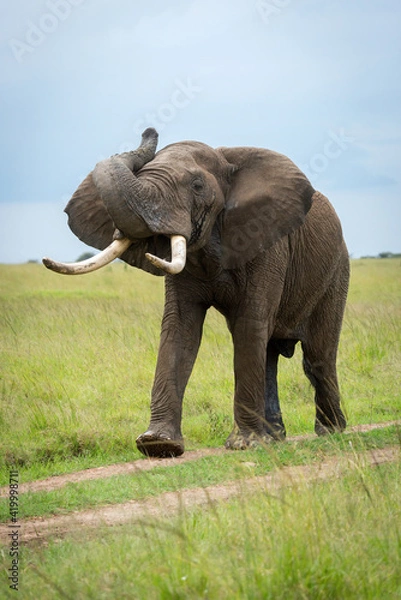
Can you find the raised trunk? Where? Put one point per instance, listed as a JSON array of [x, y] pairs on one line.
[[111, 198], [144, 153], [139, 207], [124, 196]]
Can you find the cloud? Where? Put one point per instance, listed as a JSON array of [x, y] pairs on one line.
[[284, 83], [186, 24]]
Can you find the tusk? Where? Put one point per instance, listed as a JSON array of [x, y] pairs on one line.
[[178, 256], [115, 250]]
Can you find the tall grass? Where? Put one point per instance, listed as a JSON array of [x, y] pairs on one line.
[[339, 539], [78, 355]]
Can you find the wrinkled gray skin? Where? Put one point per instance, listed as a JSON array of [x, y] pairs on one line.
[[264, 248]]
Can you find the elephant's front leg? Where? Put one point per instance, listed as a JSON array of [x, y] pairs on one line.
[[179, 343], [250, 338]]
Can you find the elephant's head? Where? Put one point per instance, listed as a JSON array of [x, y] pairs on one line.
[[150, 209]]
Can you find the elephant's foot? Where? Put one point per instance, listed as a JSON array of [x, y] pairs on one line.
[[275, 427], [238, 440], [328, 428], [159, 445]]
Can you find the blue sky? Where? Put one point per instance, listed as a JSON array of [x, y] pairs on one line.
[[317, 81]]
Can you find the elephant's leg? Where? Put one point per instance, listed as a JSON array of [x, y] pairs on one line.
[[323, 376], [250, 343], [179, 343], [320, 354], [273, 419]]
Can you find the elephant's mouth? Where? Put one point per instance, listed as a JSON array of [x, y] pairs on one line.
[[173, 264], [156, 246]]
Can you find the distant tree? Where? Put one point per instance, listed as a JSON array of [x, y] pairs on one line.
[[33, 261], [85, 256], [388, 255]]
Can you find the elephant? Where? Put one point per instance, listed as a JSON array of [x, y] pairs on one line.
[[240, 229]]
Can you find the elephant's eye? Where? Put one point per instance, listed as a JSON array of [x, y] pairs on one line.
[[197, 185]]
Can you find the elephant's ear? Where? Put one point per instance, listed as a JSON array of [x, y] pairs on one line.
[[89, 220], [269, 198]]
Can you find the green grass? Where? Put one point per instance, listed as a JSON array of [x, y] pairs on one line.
[[78, 355], [77, 358], [337, 539], [209, 470]]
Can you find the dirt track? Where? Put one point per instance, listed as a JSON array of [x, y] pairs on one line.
[[146, 464], [38, 529]]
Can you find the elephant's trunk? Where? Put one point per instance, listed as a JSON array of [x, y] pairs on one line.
[[144, 153], [124, 196], [130, 202]]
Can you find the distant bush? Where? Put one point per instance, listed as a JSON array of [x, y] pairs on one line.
[[85, 256], [389, 255], [384, 255]]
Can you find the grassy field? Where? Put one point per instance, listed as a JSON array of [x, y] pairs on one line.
[[337, 540], [78, 357], [77, 363]]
